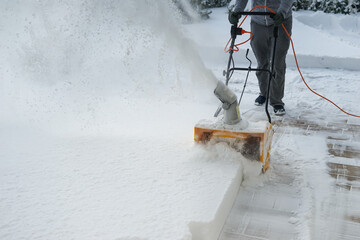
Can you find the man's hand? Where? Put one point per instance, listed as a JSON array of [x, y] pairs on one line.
[[234, 17], [278, 19]]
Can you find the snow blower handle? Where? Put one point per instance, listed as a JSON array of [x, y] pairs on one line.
[[257, 13], [234, 32]]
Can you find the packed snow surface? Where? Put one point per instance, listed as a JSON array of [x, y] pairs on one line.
[[98, 102]]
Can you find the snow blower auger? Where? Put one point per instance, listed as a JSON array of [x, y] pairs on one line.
[[252, 140]]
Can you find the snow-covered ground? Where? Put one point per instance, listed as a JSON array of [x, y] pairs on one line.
[[98, 102]]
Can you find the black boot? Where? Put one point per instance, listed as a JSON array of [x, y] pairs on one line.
[[260, 100], [279, 110]]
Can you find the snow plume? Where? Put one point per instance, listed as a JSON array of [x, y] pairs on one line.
[[64, 58]]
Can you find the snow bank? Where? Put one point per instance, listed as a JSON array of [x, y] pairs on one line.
[[98, 102], [344, 27]]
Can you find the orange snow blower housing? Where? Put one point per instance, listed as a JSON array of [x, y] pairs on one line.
[[252, 141]]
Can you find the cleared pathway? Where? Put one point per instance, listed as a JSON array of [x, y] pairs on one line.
[[309, 192]]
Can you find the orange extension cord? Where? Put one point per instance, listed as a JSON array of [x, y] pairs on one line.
[[236, 48]]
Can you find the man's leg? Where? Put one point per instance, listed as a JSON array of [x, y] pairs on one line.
[[260, 45], [278, 84]]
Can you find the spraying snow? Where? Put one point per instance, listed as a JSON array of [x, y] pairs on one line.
[[97, 102], [65, 58]]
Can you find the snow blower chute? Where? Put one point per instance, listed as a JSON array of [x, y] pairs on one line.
[[251, 139]]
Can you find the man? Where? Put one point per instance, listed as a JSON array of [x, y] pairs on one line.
[[262, 27]]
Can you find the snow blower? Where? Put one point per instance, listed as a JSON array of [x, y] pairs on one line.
[[251, 139]]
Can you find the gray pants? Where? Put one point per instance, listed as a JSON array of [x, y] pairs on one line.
[[262, 46]]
